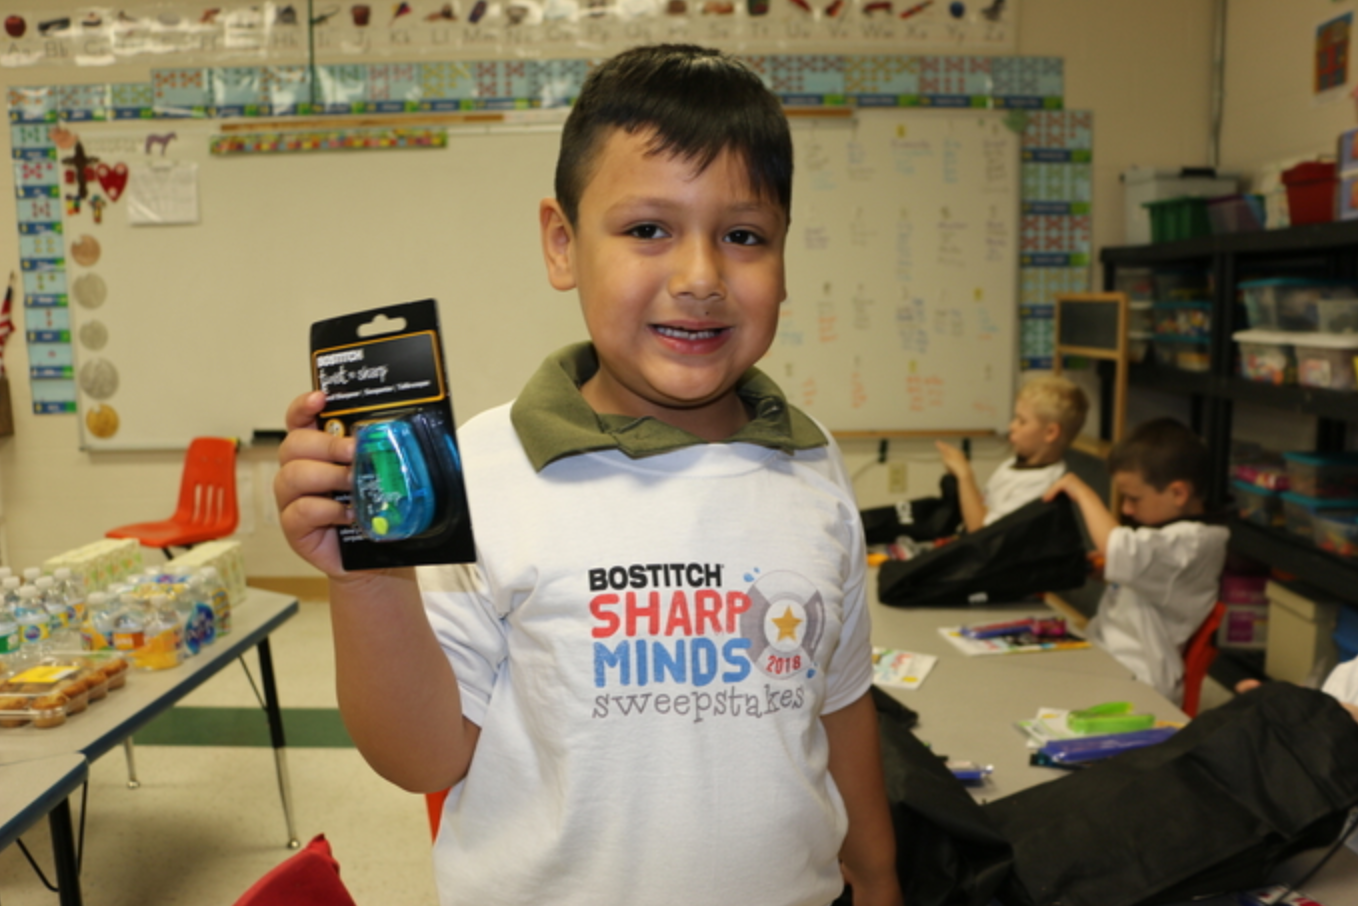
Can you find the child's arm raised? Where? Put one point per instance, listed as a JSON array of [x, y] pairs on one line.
[[968, 492], [397, 692], [1098, 520], [868, 854]]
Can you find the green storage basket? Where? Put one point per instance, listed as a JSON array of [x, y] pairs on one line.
[[1178, 218]]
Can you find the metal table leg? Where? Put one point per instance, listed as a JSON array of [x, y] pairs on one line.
[[276, 736], [63, 853]]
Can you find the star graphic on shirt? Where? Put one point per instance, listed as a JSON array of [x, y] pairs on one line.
[[787, 625]]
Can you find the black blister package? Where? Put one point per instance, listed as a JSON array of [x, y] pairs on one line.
[[383, 375]]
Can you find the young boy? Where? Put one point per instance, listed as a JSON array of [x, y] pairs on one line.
[[652, 686], [1048, 415], [1163, 570]]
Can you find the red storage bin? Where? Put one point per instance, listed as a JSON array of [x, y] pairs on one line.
[[1311, 192]]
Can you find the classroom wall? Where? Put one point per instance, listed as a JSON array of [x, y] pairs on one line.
[[1272, 115], [1142, 67]]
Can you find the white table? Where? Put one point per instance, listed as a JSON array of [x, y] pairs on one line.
[[968, 706], [32, 790]]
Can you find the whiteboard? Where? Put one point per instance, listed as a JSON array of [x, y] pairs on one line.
[[902, 266]]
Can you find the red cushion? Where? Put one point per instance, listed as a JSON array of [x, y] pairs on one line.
[[306, 878]]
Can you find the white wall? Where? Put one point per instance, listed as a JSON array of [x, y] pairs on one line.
[[1271, 112], [1142, 66]]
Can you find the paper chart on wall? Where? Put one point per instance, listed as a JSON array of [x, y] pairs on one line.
[[902, 272]]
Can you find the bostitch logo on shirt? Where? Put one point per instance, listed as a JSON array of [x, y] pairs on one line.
[[675, 626]]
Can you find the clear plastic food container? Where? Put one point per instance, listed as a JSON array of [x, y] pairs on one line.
[[46, 693]]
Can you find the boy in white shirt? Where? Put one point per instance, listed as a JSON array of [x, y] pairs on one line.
[[1048, 415], [653, 685], [1164, 572]]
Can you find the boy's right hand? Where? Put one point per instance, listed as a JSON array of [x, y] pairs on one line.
[[954, 460], [313, 466]]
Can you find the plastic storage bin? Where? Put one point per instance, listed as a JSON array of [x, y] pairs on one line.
[[1290, 303], [1136, 282], [1140, 316], [1180, 284], [1328, 360], [1194, 319], [1143, 184], [1258, 505], [1338, 535], [1299, 511], [1138, 345], [1311, 192], [1326, 475], [1267, 356], [1173, 219], [1183, 353], [1236, 214]]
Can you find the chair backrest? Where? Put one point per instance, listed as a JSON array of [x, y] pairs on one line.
[[207, 489], [1198, 657]]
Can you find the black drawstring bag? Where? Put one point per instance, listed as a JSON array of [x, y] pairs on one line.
[[948, 853], [1210, 811], [921, 519], [1037, 548]]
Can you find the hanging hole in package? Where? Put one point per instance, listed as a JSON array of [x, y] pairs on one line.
[[383, 376]]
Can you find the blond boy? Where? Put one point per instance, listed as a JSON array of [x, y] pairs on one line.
[[1048, 415]]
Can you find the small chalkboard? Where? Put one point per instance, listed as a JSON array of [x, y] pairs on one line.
[[1090, 321]]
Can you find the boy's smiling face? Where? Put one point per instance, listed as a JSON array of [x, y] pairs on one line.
[[680, 277]]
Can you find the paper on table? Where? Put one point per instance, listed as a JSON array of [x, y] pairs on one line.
[[902, 669], [1006, 644], [163, 194]]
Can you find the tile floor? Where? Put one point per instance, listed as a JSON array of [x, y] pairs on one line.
[[144, 848]]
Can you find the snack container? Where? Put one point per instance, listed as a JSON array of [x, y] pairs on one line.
[[1267, 356], [1338, 536], [42, 711], [1328, 361], [1299, 511], [1258, 505], [1324, 475], [46, 693]]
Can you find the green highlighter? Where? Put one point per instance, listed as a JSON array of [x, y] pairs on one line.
[[1109, 717]]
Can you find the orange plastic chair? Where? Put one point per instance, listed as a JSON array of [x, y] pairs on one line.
[[207, 500], [1198, 658], [433, 803]]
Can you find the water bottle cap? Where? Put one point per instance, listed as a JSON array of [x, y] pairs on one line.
[[44, 582], [62, 572], [13, 582]]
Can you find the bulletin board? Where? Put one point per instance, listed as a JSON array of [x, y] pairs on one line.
[[902, 271]]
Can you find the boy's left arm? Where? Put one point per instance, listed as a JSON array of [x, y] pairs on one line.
[[868, 855]]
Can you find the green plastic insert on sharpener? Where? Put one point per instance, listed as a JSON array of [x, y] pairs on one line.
[[393, 495], [1109, 717]]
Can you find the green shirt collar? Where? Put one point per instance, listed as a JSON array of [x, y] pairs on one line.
[[553, 420]]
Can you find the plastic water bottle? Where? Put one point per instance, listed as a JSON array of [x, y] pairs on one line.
[[32, 574], [210, 588], [129, 623], [198, 618], [11, 640], [9, 591], [96, 630], [63, 627], [72, 589], [34, 623], [164, 646]]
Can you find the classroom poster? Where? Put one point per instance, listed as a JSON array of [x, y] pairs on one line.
[[1330, 58]]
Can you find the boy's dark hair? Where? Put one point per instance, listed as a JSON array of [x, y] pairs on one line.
[[1163, 451], [699, 101]]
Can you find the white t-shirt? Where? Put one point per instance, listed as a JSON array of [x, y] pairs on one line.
[[1010, 487], [648, 645], [1163, 585], [1343, 682]]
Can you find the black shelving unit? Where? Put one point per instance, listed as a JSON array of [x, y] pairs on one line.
[[1319, 250]]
